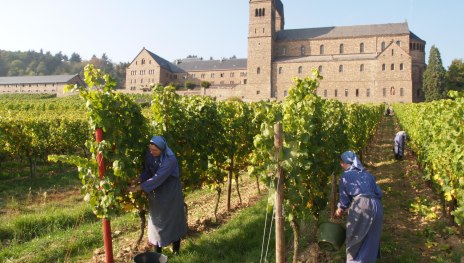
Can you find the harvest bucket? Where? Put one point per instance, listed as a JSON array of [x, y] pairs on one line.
[[150, 257], [330, 236]]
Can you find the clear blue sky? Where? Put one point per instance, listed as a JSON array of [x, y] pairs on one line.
[[206, 28]]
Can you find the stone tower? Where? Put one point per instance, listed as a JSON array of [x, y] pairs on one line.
[[265, 19]]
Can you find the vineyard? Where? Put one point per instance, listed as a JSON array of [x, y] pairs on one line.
[[218, 144]]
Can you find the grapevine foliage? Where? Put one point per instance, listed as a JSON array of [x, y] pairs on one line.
[[125, 136], [437, 137]]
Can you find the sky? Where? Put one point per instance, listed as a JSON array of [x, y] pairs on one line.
[[174, 29]]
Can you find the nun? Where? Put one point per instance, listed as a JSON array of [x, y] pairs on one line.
[[400, 142], [160, 179], [361, 197]]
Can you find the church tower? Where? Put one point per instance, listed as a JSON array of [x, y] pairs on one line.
[[265, 18]]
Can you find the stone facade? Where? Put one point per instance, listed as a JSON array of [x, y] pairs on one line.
[[53, 84], [367, 63]]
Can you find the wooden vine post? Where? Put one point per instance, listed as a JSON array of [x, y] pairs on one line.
[[279, 196], [106, 223]]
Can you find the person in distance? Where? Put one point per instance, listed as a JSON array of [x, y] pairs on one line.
[[361, 197], [160, 179], [400, 143]]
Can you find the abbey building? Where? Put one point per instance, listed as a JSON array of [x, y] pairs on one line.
[[362, 63]]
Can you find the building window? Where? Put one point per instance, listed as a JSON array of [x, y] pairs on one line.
[[392, 66], [357, 92], [300, 69], [368, 92], [392, 91], [321, 49], [401, 92], [203, 76], [325, 93], [361, 48], [383, 46], [401, 66], [383, 67], [384, 92], [342, 49], [319, 69], [221, 75], [284, 51], [232, 74], [285, 93], [257, 92], [340, 68], [212, 75], [398, 43], [303, 50], [361, 67], [336, 93], [346, 92], [393, 52], [258, 70], [280, 70], [143, 61], [256, 12]]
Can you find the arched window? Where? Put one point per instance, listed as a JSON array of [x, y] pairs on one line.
[[258, 70], [263, 11], [259, 12], [342, 49], [321, 49], [392, 91], [340, 68], [300, 69], [361, 48], [302, 50], [383, 45], [143, 61], [256, 12]]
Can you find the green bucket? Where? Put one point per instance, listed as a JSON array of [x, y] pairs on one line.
[[331, 236]]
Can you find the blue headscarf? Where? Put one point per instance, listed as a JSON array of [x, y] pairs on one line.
[[350, 157], [160, 142]]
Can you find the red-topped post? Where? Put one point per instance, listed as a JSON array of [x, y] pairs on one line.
[[106, 223]]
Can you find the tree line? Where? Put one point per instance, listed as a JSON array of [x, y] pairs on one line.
[[33, 63], [438, 81]]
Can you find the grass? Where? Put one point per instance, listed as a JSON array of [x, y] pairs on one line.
[[240, 240]]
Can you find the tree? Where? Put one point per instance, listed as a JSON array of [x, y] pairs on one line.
[[205, 84], [434, 77], [189, 84], [75, 58], [455, 75]]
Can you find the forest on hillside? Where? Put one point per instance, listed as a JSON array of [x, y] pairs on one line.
[[33, 63]]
